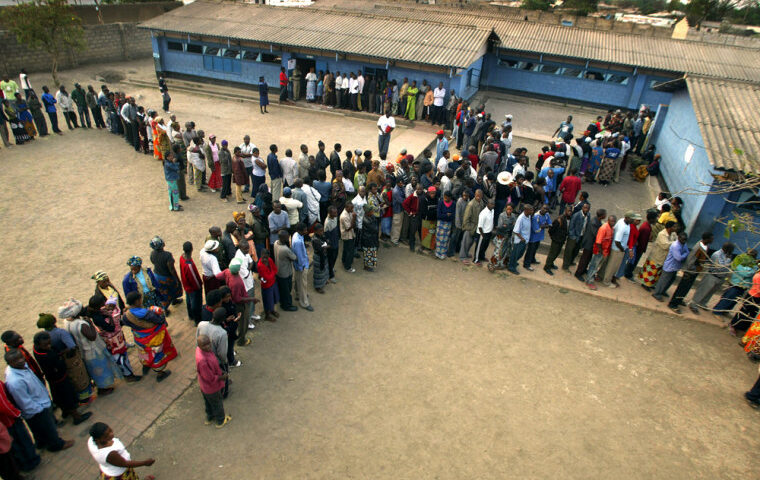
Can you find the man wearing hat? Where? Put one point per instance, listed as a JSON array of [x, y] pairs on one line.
[[441, 145], [79, 97]]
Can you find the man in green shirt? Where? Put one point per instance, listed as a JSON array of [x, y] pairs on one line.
[[79, 97]]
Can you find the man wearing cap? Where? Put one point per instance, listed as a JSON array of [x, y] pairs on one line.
[[78, 96], [507, 121], [441, 145], [385, 125], [291, 205]]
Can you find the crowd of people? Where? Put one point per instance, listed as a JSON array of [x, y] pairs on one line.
[[486, 205]]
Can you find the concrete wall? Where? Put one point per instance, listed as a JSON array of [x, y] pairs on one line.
[[104, 43], [674, 132], [631, 95], [120, 13]]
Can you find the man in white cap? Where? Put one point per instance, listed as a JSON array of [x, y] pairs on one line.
[[209, 263], [507, 121]]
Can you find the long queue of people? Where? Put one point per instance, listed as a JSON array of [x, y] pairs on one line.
[[483, 207]]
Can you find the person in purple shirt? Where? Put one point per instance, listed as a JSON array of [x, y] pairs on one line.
[[676, 255]]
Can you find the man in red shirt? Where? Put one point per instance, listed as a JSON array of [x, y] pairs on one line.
[[569, 187], [191, 282], [283, 85], [211, 381], [23, 451], [602, 248]]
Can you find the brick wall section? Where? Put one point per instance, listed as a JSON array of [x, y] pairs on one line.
[[104, 43]]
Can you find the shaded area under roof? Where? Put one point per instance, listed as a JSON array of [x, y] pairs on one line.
[[727, 116], [343, 32]]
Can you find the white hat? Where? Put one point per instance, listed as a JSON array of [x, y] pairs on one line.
[[508, 116], [211, 245], [504, 178]]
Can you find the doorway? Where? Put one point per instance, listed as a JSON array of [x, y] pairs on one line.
[[304, 64]]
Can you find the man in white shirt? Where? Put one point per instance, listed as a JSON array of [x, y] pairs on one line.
[[385, 124], [485, 227], [26, 85], [289, 168], [67, 107], [360, 80], [338, 90], [353, 92], [312, 201], [246, 151], [346, 86], [519, 168], [209, 262], [439, 117], [291, 205], [621, 233]]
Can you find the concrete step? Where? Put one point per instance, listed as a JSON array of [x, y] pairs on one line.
[[244, 94]]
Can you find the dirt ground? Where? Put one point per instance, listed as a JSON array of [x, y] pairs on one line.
[[424, 369]]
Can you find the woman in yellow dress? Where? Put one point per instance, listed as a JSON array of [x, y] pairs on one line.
[[411, 100]]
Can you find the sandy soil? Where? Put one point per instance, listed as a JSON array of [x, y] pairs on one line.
[[424, 371]]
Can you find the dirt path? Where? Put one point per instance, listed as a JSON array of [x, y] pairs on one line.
[[422, 371]]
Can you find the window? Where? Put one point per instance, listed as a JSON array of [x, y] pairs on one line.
[[211, 50], [550, 69], [592, 75], [270, 58], [616, 78], [231, 53], [177, 46], [572, 72], [251, 56], [192, 48]]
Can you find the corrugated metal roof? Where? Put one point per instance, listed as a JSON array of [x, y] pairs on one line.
[[337, 31], [727, 116], [666, 54]]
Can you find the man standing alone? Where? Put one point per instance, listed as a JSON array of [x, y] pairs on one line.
[[385, 125]]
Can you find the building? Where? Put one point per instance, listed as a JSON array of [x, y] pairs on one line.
[[687, 82], [709, 136]]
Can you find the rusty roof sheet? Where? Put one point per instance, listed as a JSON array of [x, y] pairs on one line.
[[345, 32], [727, 116], [656, 53]]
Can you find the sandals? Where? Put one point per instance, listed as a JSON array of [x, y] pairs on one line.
[[227, 420]]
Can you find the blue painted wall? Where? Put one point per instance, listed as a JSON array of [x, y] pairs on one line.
[[675, 129], [631, 95]]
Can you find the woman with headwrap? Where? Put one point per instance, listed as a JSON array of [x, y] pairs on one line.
[[100, 365], [61, 388], [104, 288], [151, 335], [168, 285], [141, 281], [106, 317], [63, 343]]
